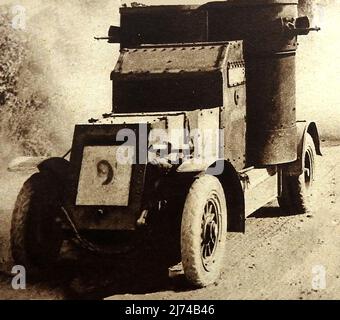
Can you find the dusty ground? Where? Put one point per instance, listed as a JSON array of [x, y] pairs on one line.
[[273, 260]]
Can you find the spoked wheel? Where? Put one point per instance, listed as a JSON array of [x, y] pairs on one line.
[[203, 230], [211, 230], [298, 190], [309, 167]]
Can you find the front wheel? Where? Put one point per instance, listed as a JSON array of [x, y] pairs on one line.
[[36, 236], [203, 231]]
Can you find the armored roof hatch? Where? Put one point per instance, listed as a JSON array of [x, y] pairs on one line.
[[172, 77]]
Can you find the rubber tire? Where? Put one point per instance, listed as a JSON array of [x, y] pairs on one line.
[[35, 214], [191, 230], [296, 196], [284, 199]]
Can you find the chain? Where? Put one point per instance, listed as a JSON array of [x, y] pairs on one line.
[[85, 244]]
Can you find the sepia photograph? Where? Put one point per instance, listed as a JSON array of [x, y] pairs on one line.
[[169, 150]]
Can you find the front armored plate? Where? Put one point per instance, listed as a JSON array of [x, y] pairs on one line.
[[104, 180], [107, 181]]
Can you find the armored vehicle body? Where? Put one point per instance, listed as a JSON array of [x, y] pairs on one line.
[[202, 131]]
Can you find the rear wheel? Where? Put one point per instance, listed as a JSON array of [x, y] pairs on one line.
[[36, 236], [298, 190], [203, 231]]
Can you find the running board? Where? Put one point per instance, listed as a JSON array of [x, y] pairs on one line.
[[260, 186]]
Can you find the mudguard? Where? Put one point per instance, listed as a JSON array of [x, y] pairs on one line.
[[25, 164], [229, 178], [58, 167], [303, 127]]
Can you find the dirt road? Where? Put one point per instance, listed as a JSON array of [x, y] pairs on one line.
[[279, 257]]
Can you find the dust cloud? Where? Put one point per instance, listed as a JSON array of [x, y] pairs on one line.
[[63, 67], [318, 69]]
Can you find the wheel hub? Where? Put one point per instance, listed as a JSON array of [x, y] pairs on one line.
[[210, 231], [308, 169]]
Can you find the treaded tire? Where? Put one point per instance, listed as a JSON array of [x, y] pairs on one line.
[[298, 190], [201, 268], [284, 199], [36, 237]]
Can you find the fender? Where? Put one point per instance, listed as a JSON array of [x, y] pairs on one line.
[[303, 127], [229, 178], [25, 164], [192, 166], [233, 191], [58, 167]]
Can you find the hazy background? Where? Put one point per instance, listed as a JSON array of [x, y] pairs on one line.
[[318, 70], [60, 74], [61, 64]]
